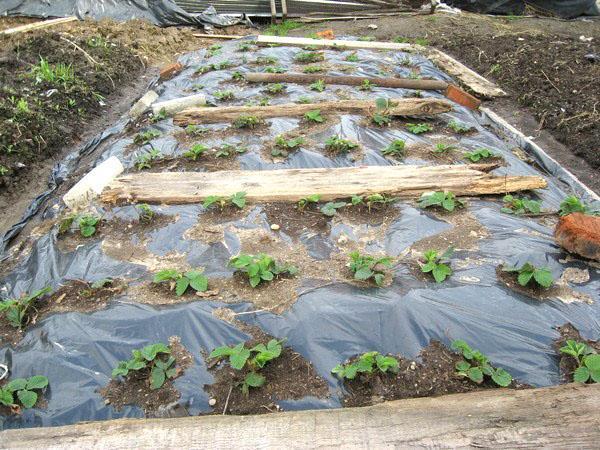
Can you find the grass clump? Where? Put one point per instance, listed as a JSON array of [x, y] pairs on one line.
[[283, 28], [58, 74]]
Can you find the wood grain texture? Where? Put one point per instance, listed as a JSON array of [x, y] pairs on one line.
[[388, 82], [293, 184], [561, 417], [402, 107], [467, 77], [38, 25]]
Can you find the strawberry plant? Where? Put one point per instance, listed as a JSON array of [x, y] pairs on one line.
[[181, 281], [3, 170], [274, 69], [459, 127], [367, 85], [16, 310], [162, 115], [215, 66], [24, 389], [237, 76], [446, 200], [367, 363], [437, 264], [303, 100], [214, 50], [572, 204], [284, 145], [266, 60], [275, 88], [336, 144], [381, 117], [476, 366], [442, 148], [224, 95], [479, 154], [153, 362], [520, 206], [318, 86], [194, 130], [309, 57], [247, 121], [145, 213], [303, 202], [313, 69], [144, 160], [588, 362], [252, 360], [145, 137], [330, 208], [227, 150], [238, 199], [378, 199], [86, 224], [365, 267], [418, 128], [396, 148], [244, 47], [195, 151], [260, 267], [352, 57], [314, 116], [527, 272]]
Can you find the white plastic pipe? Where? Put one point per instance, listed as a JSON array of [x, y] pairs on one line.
[[93, 183]]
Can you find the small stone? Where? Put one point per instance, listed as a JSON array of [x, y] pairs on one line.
[[413, 365], [342, 239], [274, 227], [212, 402], [372, 26], [107, 401]]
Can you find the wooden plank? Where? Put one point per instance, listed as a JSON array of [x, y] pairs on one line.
[[38, 25], [401, 107], [388, 82], [331, 183], [469, 78], [557, 417]]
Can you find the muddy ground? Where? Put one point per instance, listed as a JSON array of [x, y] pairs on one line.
[[552, 93]]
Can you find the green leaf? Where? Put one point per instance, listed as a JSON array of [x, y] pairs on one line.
[[379, 278], [16, 384], [181, 286], [462, 366], [150, 351], [135, 365], [475, 374], [351, 371], [543, 277], [364, 273], [267, 276], [254, 379], [27, 398], [6, 397], [37, 382], [157, 378], [581, 375], [254, 281], [441, 272], [239, 199], [448, 204], [238, 359], [524, 278], [592, 362], [198, 282], [501, 377], [166, 275], [220, 352]]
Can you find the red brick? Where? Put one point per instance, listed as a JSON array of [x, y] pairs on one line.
[[579, 233], [170, 70]]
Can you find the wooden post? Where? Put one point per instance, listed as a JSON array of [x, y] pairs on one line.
[[273, 12], [388, 82], [284, 9]]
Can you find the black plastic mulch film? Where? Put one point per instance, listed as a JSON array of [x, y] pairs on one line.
[[326, 325]]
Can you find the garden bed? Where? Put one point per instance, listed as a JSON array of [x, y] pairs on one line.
[[349, 276]]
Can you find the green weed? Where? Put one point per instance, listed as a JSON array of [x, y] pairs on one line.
[[283, 28], [224, 95], [311, 199], [145, 212], [53, 74], [227, 150], [352, 57], [274, 69], [330, 208], [283, 145]]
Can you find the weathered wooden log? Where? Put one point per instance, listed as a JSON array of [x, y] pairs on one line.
[[331, 183], [557, 417], [38, 25], [388, 82], [401, 107]]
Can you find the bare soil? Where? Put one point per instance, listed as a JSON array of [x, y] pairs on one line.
[[567, 363], [76, 295], [288, 377], [433, 375], [135, 388]]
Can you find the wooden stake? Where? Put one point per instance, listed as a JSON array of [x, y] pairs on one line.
[[402, 107], [406, 83], [332, 183], [38, 25]]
